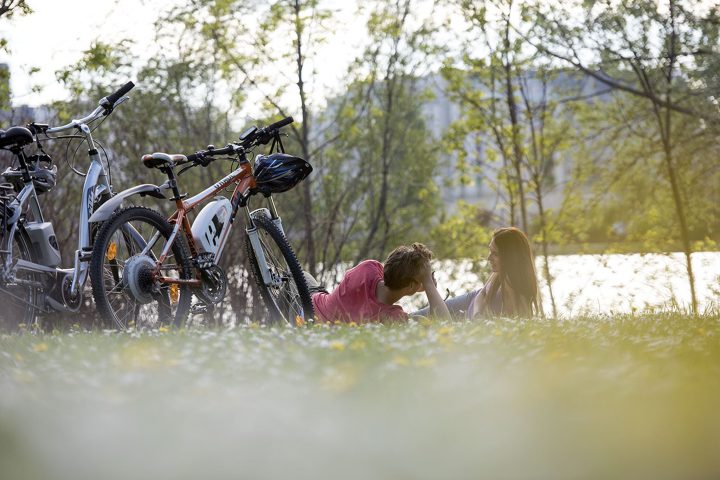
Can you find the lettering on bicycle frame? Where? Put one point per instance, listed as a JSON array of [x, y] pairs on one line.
[[234, 177], [225, 181], [90, 201]]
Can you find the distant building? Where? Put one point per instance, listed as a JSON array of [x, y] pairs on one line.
[[4, 86], [18, 115], [441, 112]]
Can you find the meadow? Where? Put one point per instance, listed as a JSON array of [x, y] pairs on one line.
[[625, 396]]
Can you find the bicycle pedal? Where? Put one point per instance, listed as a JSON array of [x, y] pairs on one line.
[[204, 260], [199, 309]]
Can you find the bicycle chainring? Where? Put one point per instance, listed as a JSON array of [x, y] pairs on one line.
[[72, 302], [138, 278], [214, 284]]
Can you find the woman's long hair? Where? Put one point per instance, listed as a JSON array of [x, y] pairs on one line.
[[516, 277]]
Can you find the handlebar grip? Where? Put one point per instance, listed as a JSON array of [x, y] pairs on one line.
[[199, 158], [223, 151], [204, 157], [36, 128], [279, 124], [114, 97]]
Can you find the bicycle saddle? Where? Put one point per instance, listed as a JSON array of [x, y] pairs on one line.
[[160, 160], [15, 136]]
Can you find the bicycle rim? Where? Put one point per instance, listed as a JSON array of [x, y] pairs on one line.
[[128, 248], [19, 296], [286, 296]]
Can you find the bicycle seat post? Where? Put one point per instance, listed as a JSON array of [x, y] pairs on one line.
[[172, 182]]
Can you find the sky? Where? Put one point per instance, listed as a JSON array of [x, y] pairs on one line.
[[58, 31]]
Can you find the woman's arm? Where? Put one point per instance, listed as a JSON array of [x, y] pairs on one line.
[[479, 304]]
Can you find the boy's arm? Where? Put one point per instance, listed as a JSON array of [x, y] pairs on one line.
[[438, 308]]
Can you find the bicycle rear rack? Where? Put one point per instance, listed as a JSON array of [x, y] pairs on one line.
[[7, 195]]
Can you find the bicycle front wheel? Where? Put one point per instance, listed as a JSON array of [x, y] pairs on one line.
[[125, 254], [285, 293]]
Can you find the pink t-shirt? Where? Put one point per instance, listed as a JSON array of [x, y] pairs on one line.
[[354, 299]]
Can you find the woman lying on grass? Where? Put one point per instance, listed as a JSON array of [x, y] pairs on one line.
[[511, 290]]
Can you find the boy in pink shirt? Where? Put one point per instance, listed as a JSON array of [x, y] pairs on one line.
[[368, 292]]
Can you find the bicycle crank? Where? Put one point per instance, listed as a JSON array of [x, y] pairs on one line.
[[214, 284]]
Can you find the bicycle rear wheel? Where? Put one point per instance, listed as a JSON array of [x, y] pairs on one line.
[[19, 296], [286, 296], [124, 256]]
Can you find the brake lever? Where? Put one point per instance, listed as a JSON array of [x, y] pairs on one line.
[[185, 169], [120, 101], [265, 138], [37, 128], [111, 108]]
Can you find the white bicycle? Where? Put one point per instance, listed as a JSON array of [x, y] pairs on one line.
[[31, 280]]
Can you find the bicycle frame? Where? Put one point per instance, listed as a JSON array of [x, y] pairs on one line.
[[95, 185], [244, 181], [245, 185]]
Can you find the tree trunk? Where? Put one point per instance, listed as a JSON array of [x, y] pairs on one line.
[[669, 163], [680, 212], [544, 246], [537, 170], [390, 83], [305, 146], [506, 182], [380, 210], [512, 107]]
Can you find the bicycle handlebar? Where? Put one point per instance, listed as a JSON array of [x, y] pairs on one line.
[[97, 113], [115, 96], [106, 106], [199, 157], [277, 125], [264, 135], [258, 137]]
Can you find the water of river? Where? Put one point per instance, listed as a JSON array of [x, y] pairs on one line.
[[604, 284]]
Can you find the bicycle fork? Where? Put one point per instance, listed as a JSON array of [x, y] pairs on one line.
[[252, 233], [274, 214]]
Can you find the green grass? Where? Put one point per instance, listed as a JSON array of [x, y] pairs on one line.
[[616, 397]]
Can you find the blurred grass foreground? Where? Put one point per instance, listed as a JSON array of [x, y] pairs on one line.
[[599, 397]]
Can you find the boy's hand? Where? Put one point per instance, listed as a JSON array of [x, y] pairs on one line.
[[428, 277], [437, 305]]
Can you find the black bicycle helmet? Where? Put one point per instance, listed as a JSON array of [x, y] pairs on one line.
[[279, 172], [42, 172]]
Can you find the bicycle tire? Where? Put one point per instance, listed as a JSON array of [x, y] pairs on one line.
[[98, 269], [23, 297], [277, 313]]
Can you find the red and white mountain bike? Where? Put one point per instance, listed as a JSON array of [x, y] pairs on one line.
[[145, 267]]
